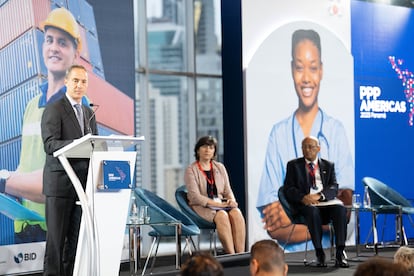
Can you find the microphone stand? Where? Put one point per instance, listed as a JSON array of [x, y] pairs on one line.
[[93, 115]]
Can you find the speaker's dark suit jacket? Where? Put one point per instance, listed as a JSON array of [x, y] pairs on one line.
[[296, 186], [59, 128]]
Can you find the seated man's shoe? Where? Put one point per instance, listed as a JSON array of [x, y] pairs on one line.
[[320, 255], [341, 262]]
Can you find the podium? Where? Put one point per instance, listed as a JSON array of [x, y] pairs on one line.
[[104, 208]]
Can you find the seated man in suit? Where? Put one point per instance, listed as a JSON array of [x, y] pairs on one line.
[[309, 181]]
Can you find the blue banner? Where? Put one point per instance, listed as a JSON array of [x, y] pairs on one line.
[[384, 64]]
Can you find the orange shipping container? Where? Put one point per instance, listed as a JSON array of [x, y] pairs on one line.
[[18, 16], [84, 53], [116, 110]]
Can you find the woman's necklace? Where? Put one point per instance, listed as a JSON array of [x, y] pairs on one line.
[[210, 179]]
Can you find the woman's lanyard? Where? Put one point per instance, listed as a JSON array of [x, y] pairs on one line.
[[210, 180], [211, 187]]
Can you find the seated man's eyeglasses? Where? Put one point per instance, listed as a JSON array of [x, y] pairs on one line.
[[311, 147]]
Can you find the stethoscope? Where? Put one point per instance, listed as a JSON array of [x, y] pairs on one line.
[[321, 137]]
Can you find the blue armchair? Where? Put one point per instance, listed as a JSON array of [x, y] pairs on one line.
[[162, 211], [385, 200], [181, 197]]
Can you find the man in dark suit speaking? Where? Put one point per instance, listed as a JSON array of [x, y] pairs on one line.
[[62, 122], [309, 181]]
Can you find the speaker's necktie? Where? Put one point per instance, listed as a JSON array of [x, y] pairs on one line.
[[312, 179], [79, 115]]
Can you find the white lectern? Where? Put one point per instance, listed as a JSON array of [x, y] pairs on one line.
[[104, 209]]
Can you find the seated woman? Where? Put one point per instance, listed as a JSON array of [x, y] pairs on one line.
[[211, 197]]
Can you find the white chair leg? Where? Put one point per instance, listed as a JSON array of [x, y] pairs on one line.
[[290, 235], [155, 255], [331, 240], [345, 255], [211, 242], [188, 243], [215, 242], [149, 255], [188, 246], [199, 240], [305, 260], [405, 236], [194, 246]]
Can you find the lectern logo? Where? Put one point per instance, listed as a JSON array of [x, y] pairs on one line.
[[21, 257], [116, 174], [121, 173]]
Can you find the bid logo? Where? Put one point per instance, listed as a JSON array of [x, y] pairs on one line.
[[21, 257]]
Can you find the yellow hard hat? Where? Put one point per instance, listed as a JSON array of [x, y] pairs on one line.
[[62, 19]]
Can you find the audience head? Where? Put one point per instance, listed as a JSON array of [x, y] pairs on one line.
[[267, 258], [204, 141], [202, 264], [405, 257], [380, 267]]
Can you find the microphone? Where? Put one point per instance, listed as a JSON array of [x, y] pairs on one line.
[[92, 105]]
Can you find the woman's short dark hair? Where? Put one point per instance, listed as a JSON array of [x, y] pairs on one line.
[[205, 140]]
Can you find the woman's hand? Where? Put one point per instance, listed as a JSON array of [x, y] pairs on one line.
[[223, 203], [231, 203], [216, 202]]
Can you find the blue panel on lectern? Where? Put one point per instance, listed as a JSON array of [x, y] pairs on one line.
[[116, 175]]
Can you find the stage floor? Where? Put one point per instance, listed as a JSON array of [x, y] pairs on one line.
[[239, 264]]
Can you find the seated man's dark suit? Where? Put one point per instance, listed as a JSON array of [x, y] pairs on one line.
[[296, 186]]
